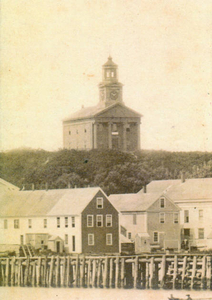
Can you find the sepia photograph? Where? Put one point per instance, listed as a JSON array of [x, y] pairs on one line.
[[106, 150]]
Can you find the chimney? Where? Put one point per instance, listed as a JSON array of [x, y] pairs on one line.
[[33, 186], [46, 186], [75, 186], [23, 187], [69, 185], [182, 176], [144, 189]]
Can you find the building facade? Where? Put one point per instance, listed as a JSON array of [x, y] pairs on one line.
[[59, 220], [194, 197], [153, 218], [108, 125]]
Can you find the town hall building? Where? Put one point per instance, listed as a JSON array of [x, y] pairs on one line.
[[108, 125]]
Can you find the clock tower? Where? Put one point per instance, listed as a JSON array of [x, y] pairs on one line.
[[110, 90]]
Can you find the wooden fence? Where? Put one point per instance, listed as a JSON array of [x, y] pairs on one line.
[[138, 271]]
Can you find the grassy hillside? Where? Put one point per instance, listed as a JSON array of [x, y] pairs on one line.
[[115, 172]]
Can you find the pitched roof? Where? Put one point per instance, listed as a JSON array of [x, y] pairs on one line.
[[7, 186], [93, 111], [110, 62], [133, 202], [191, 189], [41, 203]]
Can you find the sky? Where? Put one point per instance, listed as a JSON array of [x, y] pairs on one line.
[[52, 53]]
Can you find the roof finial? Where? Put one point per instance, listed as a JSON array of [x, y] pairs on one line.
[[110, 57]]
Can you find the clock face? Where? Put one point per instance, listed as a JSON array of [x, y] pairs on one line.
[[114, 95]]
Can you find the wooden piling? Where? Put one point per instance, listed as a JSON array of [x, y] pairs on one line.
[[105, 273], [163, 271], [7, 272], [208, 272], [174, 272], [117, 272], [111, 273], [193, 273], [122, 272], [135, 272]]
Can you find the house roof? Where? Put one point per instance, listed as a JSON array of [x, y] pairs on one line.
[[94, 111], [41, 202], [54, 237], [110, 62], [7, 186], [133, 202], [191, 189]]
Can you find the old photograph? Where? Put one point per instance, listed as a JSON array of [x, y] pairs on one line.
[[106, 149]]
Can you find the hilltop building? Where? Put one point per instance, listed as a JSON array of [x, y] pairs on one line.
[[108, 125]]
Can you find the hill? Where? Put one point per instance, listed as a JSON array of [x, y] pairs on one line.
[[114, 172]]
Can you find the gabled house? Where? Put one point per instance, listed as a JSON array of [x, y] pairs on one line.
[[194, 197], [152, 217], [75, 220]]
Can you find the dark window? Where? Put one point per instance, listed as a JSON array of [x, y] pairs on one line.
[[30, 223], [186, 216], [162, 217], [45, 223], [73, 243], [16, 223], [155, 236], [99, 220], [73, 221], [58, 222], [162, 202], [201, 233], [66, 221], [108, 220], [99, 202]]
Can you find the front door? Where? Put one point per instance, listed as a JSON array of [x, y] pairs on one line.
[[58, 247]]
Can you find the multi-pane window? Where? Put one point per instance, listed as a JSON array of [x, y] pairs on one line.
[[108, 220], [162, 202], [58, 222], [155, 236], [176, 218], [66, 239], [66, 221], [99, 220], [89, 220], [201, 233], [90, 239], [16, 223], [162, 217], [186, 216], [30, 223], [200, 214], [45, 223], [134, 219], [129, 235], [73, 221], [5, 224], [99, 202], [109, 239]]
